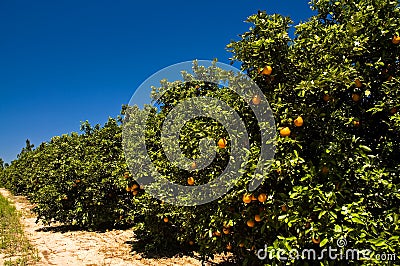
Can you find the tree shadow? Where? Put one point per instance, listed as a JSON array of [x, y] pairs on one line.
[[174, 250], [65, 228]]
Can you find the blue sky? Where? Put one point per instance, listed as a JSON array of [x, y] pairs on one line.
[[62, 62]]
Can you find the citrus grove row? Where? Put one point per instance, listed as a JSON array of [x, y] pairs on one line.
[[334, 89]]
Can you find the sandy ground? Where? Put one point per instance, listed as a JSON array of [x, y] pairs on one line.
[[82, 247]]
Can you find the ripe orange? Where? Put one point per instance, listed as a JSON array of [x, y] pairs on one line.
[[229, 247], [326, 97], [128, 189], [191, 243], [247, 198], [284, 208], [396, 39], [358, 83], [226, 230], [256, 99], [257, 218], [298, 122], [77, 181], [241, 244], [190, 181], [262, 197], [135, 192], [166, 220], [222, 143], [356, 97], [325, 170], [316, 240], [250, 223], [253, 198], [135, 186], [285, 132], [217, 233], [267, 71]]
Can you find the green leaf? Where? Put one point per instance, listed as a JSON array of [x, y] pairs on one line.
[[323, 242]]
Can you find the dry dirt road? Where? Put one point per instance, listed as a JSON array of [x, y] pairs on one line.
[[82, 248]]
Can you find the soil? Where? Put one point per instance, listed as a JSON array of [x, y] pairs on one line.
[[58, 245]]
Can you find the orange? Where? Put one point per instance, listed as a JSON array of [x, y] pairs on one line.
[[128, 189], [250, 223], [253, 198], [135, 192], [222, 143], [356, 97], [241, 244], [226, 230], [257, 218], [285, 132], [166, 220], [262, 197], [325, 170], [229, 247], [217, 233], [358, 83], [190, 181], [396, 39], [326, 97], [191, 243], [298, 122], [284, 208], [316, 240], [135, 186], [267, 71], [256, 99], [247, 198], [77, 181]]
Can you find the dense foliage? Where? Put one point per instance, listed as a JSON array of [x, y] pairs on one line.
[[334, 91], [75, 179]]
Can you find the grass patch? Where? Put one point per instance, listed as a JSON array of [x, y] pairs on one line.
[[14, 246]]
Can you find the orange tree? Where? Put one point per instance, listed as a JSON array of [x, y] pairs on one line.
[[334, 91], [75, 179]]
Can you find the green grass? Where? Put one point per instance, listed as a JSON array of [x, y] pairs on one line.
[[14, 246]]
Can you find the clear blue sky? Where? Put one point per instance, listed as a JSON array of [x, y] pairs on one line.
[[62, 62]]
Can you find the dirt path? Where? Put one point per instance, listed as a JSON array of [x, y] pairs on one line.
[[81, 247]]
